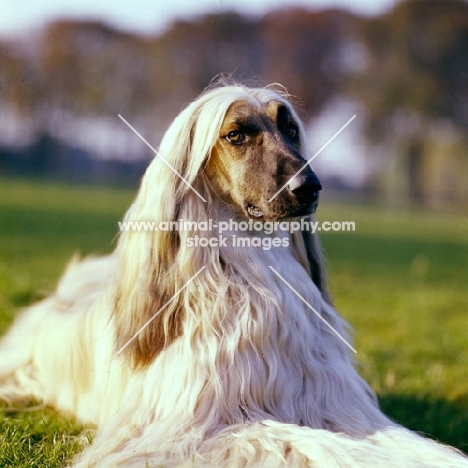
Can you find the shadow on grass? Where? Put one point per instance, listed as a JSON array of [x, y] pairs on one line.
[[11, 307], [22, 299], [436, 418]]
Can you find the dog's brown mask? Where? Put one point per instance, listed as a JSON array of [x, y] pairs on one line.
[[257, 153]]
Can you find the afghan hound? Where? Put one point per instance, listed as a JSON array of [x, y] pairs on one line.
[[214, 353]]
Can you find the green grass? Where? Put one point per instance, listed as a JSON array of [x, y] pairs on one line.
[[39, 439], [42, 226], [399, 279]]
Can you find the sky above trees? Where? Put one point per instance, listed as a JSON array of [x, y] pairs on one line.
[[18, 17]]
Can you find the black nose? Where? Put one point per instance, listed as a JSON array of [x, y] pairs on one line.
[[306, 188]]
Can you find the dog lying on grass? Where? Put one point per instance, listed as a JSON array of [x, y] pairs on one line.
[[219, 355]]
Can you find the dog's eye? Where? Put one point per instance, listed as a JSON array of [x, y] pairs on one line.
[[235, 137], [292, 132]]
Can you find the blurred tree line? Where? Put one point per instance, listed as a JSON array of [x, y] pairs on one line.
[[407, 69]]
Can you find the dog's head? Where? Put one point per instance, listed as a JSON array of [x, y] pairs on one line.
[[257, 164]]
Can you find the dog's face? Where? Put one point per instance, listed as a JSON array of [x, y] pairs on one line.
[[256, 154]]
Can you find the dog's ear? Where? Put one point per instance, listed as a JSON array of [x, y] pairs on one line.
[[309, 253], [151, 266], [147, 317]]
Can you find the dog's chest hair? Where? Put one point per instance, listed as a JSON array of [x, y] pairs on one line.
[[251, 355]]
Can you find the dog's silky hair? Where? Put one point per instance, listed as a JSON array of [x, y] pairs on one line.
[[146, 283], [235, 371]]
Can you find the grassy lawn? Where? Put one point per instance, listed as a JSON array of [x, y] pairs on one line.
[[400, 279]]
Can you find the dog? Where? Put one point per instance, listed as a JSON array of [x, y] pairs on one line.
[[224, 354]]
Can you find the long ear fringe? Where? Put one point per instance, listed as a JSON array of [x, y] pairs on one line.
[[149, 272]]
